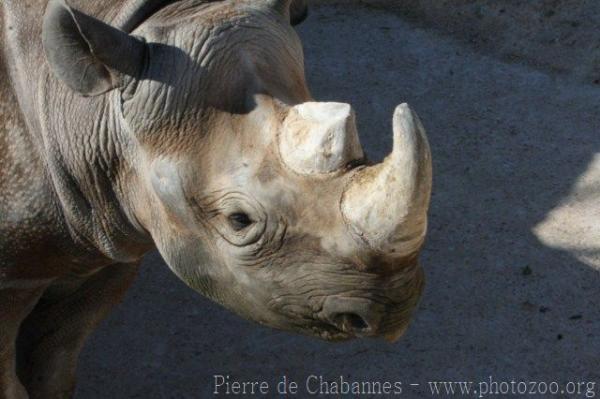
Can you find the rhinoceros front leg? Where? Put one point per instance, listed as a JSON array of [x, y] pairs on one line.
[[54, 333], [15, 305]]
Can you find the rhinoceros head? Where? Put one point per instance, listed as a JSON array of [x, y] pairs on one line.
[[256, 195]]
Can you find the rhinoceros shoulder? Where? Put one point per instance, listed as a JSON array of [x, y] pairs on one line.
[[29, 220]]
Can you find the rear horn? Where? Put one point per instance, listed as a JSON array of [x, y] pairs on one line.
[[319, 138]]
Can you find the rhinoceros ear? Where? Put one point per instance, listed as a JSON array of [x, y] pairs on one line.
[[295, 10], [88, 55]]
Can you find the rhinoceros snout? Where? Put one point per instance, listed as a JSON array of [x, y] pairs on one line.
[[358, 317]]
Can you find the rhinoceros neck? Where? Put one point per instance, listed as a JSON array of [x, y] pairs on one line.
[[134, 12], [90, 159]]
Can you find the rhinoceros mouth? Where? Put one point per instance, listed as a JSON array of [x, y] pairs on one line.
[[331, 333], [336, 334]]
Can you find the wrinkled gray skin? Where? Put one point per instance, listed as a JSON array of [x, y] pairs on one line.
[[113, 144]]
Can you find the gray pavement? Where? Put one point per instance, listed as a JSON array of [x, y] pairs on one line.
[[513, 251]]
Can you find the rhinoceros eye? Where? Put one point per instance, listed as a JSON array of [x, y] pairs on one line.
[[239, 221]]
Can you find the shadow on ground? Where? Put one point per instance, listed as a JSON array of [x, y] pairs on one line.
[[510, 145]]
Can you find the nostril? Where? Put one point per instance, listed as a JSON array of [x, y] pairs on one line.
[[353, 316], [357, 322], [352, 322]]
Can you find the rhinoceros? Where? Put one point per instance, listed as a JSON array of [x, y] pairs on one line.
[[187, 126]]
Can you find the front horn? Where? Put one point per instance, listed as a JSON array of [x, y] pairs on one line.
[[386, 204]]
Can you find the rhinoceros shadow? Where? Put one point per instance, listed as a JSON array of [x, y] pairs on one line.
[[509, 145]]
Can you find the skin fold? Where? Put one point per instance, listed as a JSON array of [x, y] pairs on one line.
[[128, 126]]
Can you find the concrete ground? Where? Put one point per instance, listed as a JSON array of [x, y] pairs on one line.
[[513, 252], [560, 36]]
